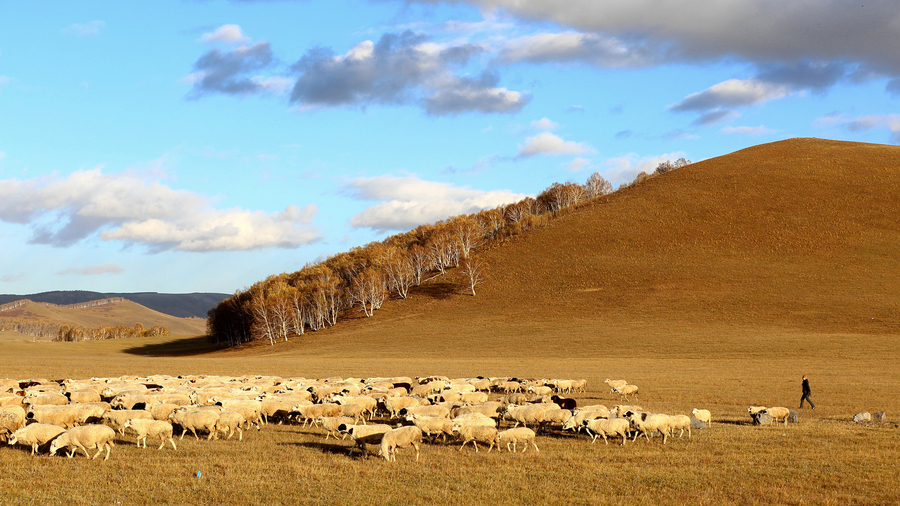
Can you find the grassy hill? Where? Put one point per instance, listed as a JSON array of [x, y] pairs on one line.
[[798, 235], [182, 305], [121, 313]]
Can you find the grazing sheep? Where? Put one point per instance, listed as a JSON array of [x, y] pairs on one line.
[[517, 435], [363, 435], [433, 426], [116, 418], [647, 423], [602, 427], [331, 424], [400, 437], [11, 421], [753, 410], [487, 435], [35, 435], [703, 415], [84, 437], [83, 396], [680, 422], [541, 390], [194, 419], [231, 421], [778, 414], [46, 400], [151, 428], [436, 410], [64, 416]]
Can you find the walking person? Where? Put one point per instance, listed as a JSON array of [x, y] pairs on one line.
[[806, 393]]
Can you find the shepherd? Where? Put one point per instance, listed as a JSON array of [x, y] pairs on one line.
[[806, 393]]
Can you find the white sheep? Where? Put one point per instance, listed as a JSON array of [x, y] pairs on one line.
[[703, 415], [602, 427], [331, 424], [153, 429], [627, 390], [778, 414], [363, 435], [614, 384], [116, 418], [400, 437], [680, 422], [84, 437], [486, 435], [194, 419], [35, 435], [647, 423], [540, 390], [517, 435], [752, 410], [433, 426], [64, 416], [11, 421]]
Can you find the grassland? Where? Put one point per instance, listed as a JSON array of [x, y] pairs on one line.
[[716, 286]]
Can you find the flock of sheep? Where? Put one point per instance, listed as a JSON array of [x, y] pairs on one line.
[[91, 414]]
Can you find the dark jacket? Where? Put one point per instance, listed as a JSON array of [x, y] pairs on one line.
[[806, 386]]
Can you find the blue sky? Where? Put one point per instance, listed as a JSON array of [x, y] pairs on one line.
[[203, 145]]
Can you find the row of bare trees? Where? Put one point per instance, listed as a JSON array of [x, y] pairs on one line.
[[57, 332], [315, 297]]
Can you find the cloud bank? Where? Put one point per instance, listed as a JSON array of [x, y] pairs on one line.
[[409, 201], [123, 207]]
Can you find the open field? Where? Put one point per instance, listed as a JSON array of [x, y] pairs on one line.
[[713, 286], [823, 460]]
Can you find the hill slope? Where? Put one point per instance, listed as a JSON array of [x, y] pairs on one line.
[[182, 305], [125, 313], [799, 234]]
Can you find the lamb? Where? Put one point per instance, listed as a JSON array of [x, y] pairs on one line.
[[517, 435], [703, 415], [778, 414], [601, 427], [116, 418], [203, 419], [433, 426], [84, 437], [648, 423], [487, 435], [680, 422], [151, 428], [331, 424], [36, 434], [364, 434], [400, 437]]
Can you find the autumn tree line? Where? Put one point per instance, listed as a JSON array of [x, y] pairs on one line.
[[58, 332], [362, 279]]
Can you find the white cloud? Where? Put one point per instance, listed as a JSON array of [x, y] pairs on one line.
[[93, 271], [863, 123], [85, 29], [578, 164], [409, 201], [747, 130], [625, 168], [732, 93], [225, 33], [548, 144], [124, 207], [544, 124], [589, 48]]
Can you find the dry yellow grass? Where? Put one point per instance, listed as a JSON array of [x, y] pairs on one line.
[[714, 286]]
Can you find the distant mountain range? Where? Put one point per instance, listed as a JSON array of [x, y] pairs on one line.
[[182, 305]]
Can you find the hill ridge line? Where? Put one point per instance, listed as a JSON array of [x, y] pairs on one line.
[[78, 305]]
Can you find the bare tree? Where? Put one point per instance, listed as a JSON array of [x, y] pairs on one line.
[[473, 270], [596, 186]]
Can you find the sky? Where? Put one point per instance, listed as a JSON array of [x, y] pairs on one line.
[[201, 146]]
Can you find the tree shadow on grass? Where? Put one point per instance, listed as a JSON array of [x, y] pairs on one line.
[[436, 290], [182, 347]]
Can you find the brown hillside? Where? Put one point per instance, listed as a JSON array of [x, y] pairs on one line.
[[797, 235], [125, 313]]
